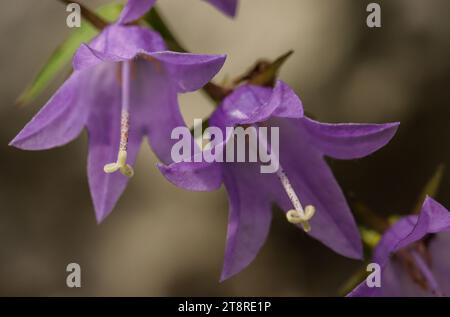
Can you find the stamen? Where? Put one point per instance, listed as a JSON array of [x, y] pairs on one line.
[[298, 215], [121, 164]]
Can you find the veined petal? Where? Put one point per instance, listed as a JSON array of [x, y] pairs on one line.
[[229, 7], [433, 218], [62, 118], [188, 71], [117, 43], [197, 174], [285, 102], [392, 237], [243, 105], [134, 9], [194, 176], [250, 215], [250, 104], [349, 140], [311, 178]]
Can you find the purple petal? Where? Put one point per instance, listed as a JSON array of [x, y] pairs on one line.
[[285, 102], [62, 118], [117, 43], [200, 176], [196, 175], [250, 104], [229, 7], [392, 237], [190, 72], [134, 9], [249, 217], [433, 218], [349, 140], [314, 183]]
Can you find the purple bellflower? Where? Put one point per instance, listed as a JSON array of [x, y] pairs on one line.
[[303, 177], [124, 87], [414, 256]]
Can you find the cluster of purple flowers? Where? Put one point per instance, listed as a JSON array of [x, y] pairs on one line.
[[124, 87]]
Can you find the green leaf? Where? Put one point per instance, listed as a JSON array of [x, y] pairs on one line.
[[63, 54]]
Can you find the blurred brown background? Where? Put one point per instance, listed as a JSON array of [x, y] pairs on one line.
[[163, 241]]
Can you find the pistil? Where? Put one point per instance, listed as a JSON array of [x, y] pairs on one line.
[[298, 215], [121, 164]]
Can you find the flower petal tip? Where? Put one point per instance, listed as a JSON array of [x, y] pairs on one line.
[[23, 143], [19, 141], [353, 251], [14, 143], [392, 125], [100, 216], [102, 211], [225, 275]]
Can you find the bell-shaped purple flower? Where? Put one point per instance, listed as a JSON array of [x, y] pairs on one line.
[[414, 256], [124, 87], [303, 184]]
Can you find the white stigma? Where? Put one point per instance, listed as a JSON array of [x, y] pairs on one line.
[[298, 215], [121, 163]]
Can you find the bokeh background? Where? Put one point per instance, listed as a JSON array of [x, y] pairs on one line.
[[163, 241]]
